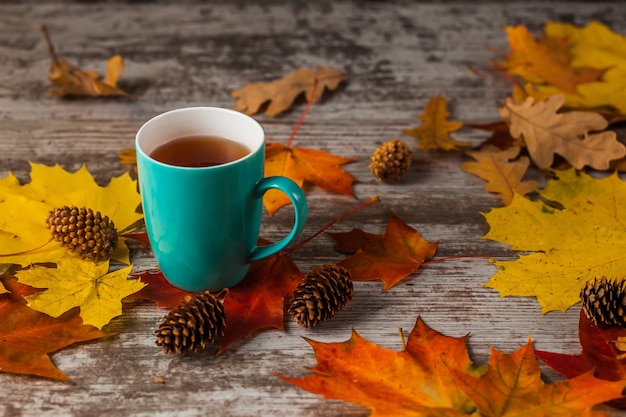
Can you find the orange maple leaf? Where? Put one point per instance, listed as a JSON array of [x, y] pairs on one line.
[[27, 337], [257, 303], [545, 61], [434, 133], [304, 165], [414, 382], [283, 92], [389, 257], [512, 387], [434, 376]]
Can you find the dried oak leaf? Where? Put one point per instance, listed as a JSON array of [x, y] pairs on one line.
[[304, 165], [27, 337], [502, 173], [71, 81], [25, 208], [563, 247], [283, 92], [512, 387], [602, 353], [389, 257], [79, 283], [417, 381], [434, 132], [546, 61], [547, 132]]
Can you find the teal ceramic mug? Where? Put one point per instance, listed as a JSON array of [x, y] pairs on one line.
[[203, 220]]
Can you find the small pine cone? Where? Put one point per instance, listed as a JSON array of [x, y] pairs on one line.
[[391, 161], [324, 292], [193, 324], [83, 231], [604, 302]]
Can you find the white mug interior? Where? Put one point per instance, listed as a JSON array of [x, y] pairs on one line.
[[194, 121]]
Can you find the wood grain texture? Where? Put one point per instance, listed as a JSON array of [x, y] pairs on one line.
[[397, 54]]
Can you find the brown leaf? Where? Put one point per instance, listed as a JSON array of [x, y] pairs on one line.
[[547, 132], [71, 81], [500, 135], [434, 133], [283, 92], [503, 175]]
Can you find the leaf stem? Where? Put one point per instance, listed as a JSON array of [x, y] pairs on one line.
[[401, 333], [447, 258], [46, 35], [304, 112], [374, 199], [24, 252]]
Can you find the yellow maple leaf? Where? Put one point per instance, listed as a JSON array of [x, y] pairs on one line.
[[547, 132], [503, 176], [24, 236], [569, 246], [79, 283], [434, 133], [282, 93]]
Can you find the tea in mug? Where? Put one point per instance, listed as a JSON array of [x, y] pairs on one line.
[[199, 151]]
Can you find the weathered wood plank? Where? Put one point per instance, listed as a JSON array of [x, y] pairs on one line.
[[397, 55]]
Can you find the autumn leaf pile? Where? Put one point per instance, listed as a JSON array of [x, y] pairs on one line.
[[554, 129]]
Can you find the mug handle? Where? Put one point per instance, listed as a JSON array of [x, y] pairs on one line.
[[301, 209]]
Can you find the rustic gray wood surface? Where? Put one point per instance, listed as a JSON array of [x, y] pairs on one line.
[[397, 55]]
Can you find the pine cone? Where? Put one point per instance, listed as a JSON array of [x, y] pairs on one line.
[[193, 324], [603, 301], [391, 161], [324, 292], [82, 231]]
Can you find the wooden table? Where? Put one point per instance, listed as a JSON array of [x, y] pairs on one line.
[[397, 55]]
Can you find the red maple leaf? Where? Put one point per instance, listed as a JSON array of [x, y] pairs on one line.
[[389, 257], [603, 351], [257, 303], [159, 290]]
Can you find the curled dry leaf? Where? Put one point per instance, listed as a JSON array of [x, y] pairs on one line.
[[283, 92], [547, 132], [71, 81], [502, 173], [434, 132]]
